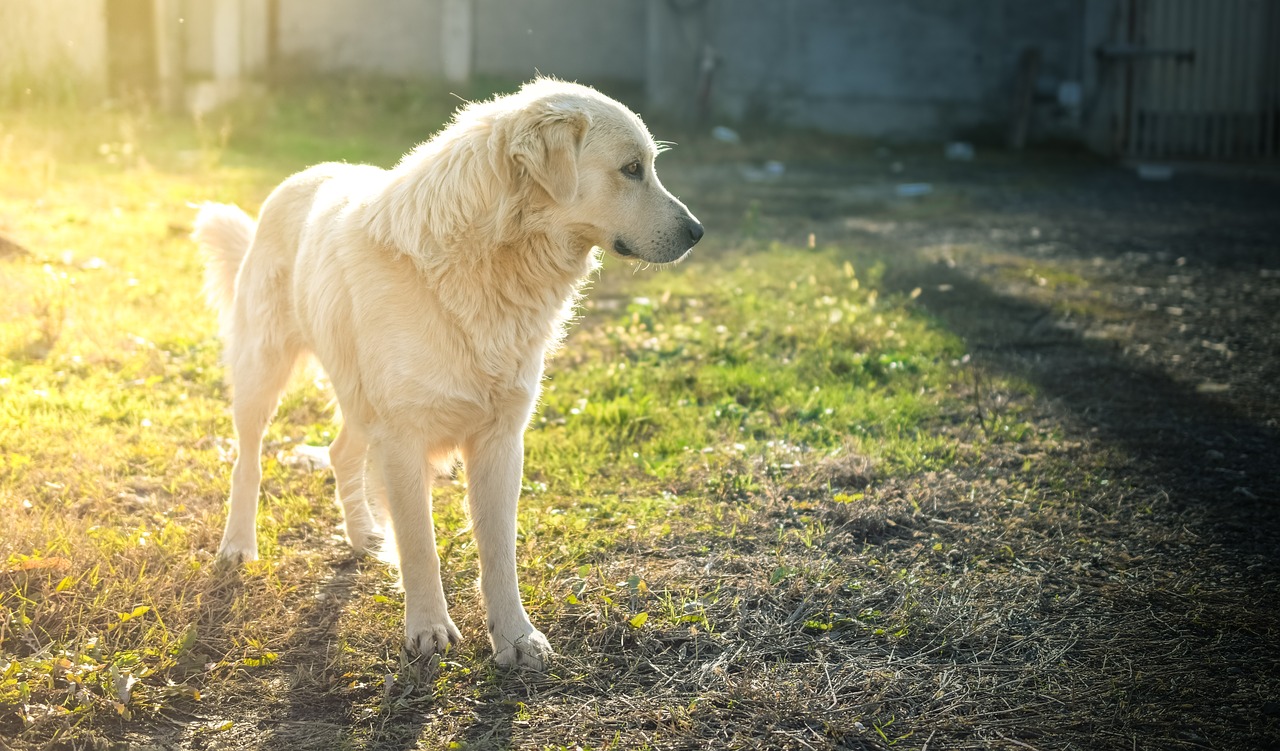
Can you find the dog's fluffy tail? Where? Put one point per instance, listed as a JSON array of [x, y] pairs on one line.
[[224, 232]]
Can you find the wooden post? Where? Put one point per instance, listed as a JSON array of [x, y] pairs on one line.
[[1024, 98], [226, 45], [678, 59], [168, 36], [457, 40]]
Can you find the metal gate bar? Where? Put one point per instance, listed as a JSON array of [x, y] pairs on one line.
[[1203, 79]]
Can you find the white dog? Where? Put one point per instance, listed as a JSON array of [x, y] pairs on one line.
[[430, 294]]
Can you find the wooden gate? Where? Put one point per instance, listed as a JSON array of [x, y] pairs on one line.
[[131, 47]]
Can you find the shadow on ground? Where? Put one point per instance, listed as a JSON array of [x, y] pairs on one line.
[[1146, 320]]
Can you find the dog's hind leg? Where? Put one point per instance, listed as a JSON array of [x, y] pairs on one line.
[[348, 454], [259, 373], [403, 467]]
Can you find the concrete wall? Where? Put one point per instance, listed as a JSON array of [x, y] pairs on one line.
[[221, 35], [589, 40], [572, 39], [393, 37], [911, 69], [53, 43]]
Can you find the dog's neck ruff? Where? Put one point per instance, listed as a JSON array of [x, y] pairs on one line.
[[492, 255], [528, 292]]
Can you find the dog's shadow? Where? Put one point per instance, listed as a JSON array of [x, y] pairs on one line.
[[310, 694], [290, 695], [322, 711], [493, 725]]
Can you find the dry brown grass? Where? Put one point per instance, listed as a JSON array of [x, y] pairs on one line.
[[1075, 549]]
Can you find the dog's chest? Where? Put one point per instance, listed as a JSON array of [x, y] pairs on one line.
[[480, 403]]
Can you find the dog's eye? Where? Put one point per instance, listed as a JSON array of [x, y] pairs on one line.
[[633, 170]]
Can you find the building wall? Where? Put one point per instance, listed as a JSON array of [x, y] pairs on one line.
[[206, 53], [909, 69], [578, 39], [572, 39], [392, 37], [912, 69], [53, 43]]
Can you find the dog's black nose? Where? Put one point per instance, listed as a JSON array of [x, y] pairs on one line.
[[695, 231]]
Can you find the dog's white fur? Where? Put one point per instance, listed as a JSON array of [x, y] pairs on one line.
[[430, 294]]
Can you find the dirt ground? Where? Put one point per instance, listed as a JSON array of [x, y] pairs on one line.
[[1109, 581], [1145, 316], [1148, 313], [1113, 583]]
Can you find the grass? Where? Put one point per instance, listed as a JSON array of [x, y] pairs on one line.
[[665, 411], [769, 500]]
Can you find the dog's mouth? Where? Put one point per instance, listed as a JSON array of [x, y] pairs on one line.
[[621, 248], [624, 250]]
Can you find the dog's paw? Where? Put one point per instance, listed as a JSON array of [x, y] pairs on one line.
[[432, 641], [365, 541], [524, 648], [233, 553]]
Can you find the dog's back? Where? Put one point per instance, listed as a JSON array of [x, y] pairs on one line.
[[249, 276]]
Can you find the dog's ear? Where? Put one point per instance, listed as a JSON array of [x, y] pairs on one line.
[[547, 150]]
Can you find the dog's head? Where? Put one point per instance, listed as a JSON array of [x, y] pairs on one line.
[[591, 161]]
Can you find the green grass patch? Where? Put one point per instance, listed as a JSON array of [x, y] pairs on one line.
[[680, 395]]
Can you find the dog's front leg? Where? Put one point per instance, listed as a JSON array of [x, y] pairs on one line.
[[428, 628], [495, 464]]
